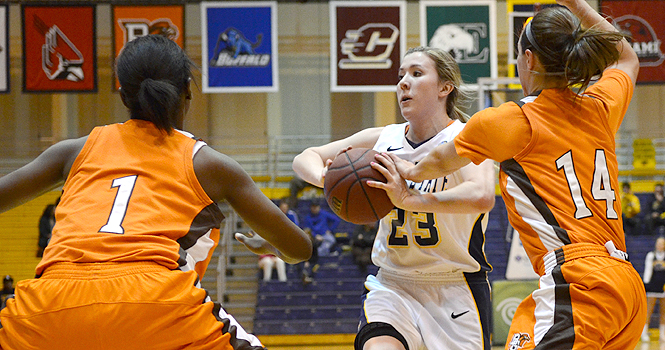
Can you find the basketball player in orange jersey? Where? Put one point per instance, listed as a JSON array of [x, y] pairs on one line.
[[431, 291], [559, 180], [137, 225]]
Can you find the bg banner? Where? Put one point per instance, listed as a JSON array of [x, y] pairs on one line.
[[466, 30], [59, 52], [130, 22], [239, 44], [4, 48], [367, 42], [644, 22]]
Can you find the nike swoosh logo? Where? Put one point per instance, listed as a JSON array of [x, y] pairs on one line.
[[454, 316], [390, 148]]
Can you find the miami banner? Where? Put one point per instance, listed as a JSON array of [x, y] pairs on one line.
[[644, 22], [130, 22], [466, 30], [239, 46], [4, 49], [59, 52], [367, 42]]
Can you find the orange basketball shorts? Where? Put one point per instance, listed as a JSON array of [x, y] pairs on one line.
[[588, 300], [102, 306]]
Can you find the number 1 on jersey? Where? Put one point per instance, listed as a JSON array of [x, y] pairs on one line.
[[125, 187]]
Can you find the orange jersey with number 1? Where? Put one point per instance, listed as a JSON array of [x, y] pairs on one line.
[[560, 184], [141, 203]]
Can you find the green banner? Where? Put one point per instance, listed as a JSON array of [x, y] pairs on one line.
[[506, 296]]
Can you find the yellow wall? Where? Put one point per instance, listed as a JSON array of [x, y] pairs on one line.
[[19, 232]]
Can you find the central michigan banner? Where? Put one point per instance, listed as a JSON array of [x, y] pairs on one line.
[[367, 42]]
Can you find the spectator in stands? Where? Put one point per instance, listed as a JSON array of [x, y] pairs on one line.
[[7, 290], [321, 223], [46, 223], [361, 245], [267, 262], [654, 283], [285, 207], [630, 207], [656, 217], [306, 269]]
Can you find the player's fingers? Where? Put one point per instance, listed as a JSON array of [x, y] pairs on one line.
[[376, 184], [385, 172]]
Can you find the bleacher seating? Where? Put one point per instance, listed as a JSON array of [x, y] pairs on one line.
[[332, 303]]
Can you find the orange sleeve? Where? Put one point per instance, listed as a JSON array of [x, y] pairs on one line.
[[614, 90], [494, 133]]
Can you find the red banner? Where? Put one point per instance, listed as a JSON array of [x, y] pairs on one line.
[[59, 52], [367, 41], [130, 22], [644, 22]]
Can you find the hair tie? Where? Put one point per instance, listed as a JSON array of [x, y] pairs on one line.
[[529, 36]]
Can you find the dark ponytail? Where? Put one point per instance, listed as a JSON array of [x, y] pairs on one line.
[[154, 72], [567, 50], [158, 101]]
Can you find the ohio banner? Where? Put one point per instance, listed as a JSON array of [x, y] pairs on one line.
[[367, 42], [59, 52], [239, 46], [644, 22], [130, 22], [466, 30], [4, 48]]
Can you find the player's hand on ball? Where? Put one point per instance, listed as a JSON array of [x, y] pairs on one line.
[[329, 161], [395, 186], [403, 167]]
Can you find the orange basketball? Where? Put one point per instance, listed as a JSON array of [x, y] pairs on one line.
[[346, 190]]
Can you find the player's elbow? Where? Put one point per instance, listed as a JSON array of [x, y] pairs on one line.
[[485, 201]]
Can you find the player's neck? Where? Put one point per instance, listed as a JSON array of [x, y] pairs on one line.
[[419, 132]]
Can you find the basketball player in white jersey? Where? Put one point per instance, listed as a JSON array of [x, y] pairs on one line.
[[431, 291]]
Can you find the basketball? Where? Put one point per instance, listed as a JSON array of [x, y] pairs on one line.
[[346, 190]]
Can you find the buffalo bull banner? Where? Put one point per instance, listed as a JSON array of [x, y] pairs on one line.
[[643, 21], [4, 48], [130, 22], [239, 46], [466, 30], [367, 42], [59, 49]]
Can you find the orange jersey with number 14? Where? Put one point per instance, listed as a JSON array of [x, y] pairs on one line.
[[132, 195], [560, 185]]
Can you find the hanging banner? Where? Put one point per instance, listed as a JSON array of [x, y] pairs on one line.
[[239, 46], [130, 22], [367, 42], [59, 52], [644, 22], [4, 48], [518, 12], [466, 30]]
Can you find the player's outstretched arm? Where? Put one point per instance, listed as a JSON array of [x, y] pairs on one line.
[[441, 161], [312, 164], [223, 178], [41, 175], [628, 60]]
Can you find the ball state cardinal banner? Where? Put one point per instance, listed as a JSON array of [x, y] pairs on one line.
[[644, 22], [466, 30], [239, 44], [59, 48], [367, 41], [130, 22], [4, 49]]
